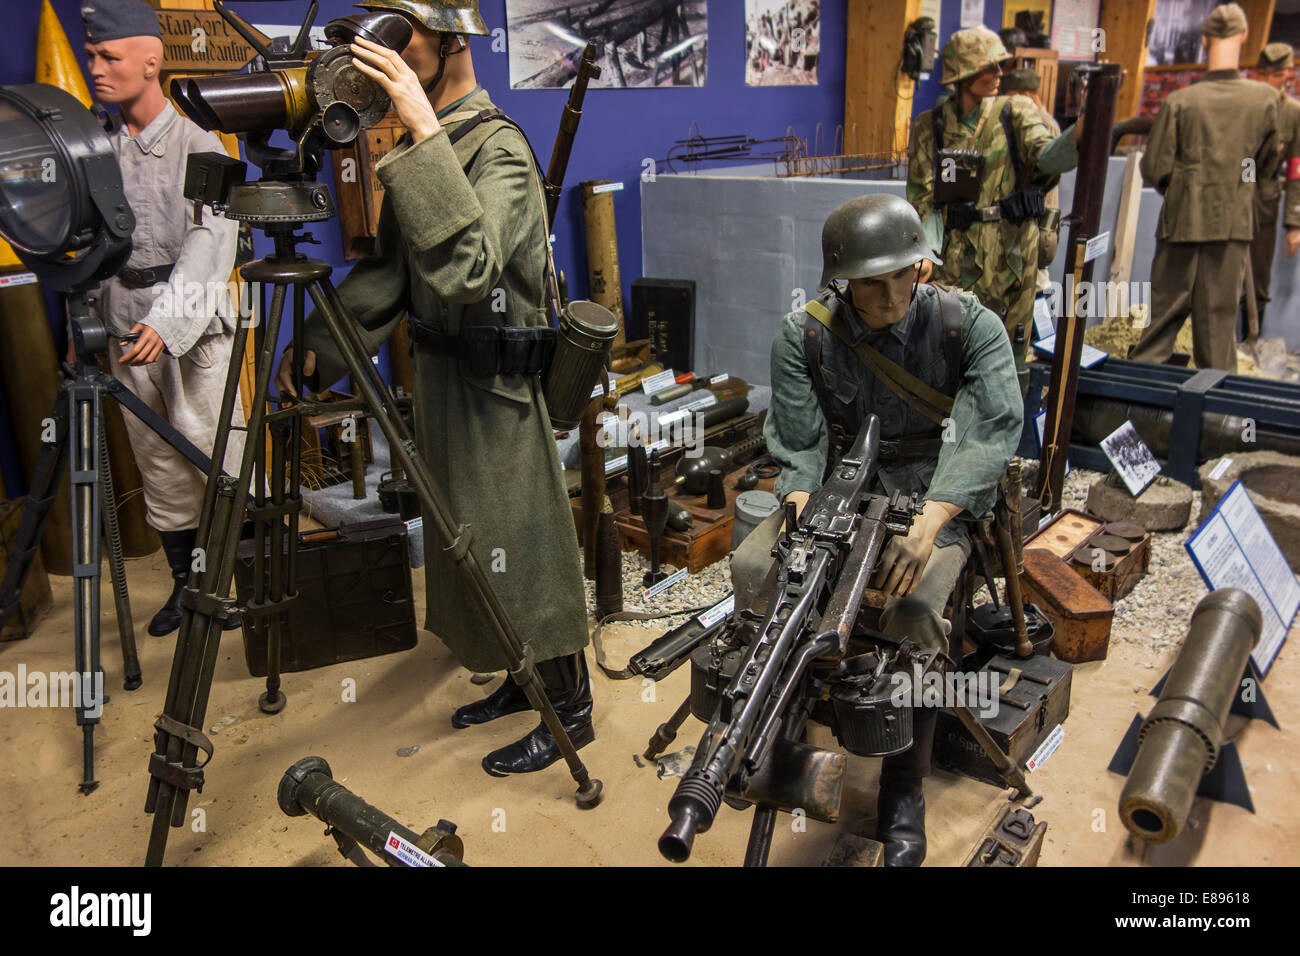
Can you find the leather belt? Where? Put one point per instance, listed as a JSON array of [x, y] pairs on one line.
[[485, 350], [136, 278], [910, 448]]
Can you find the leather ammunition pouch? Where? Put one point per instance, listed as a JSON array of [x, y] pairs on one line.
[[957, 175], [1015, 209], [485, 350]]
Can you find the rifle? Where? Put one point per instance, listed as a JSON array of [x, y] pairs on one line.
[[1101, 82], [827, 555], [554, 181]]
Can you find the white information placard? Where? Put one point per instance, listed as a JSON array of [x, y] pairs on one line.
[[1088, 357], [1234, 549]]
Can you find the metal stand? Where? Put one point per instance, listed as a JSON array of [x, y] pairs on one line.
[[174, 764], [78, 431]]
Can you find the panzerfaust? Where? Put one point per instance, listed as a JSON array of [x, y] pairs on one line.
[[309, 787], [755, 681]]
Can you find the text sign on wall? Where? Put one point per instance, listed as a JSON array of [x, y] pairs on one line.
[[201, 40]]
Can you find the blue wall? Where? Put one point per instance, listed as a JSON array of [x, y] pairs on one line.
[[620, 128]]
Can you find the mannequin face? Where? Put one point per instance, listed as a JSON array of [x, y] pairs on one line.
[[122, 70], [1274, 78], [986, 83], [422, 55], [884, 299]]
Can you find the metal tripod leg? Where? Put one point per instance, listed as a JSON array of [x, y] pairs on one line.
[[173, 766], [381, 406], [1007, 768], [84, 417], [131, 674]]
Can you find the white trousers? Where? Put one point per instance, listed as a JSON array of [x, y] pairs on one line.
[[187, 392]]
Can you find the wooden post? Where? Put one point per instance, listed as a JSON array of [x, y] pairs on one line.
[[873, 49], [1125, 23], [1259, 21]]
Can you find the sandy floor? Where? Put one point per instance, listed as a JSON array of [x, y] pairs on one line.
[[404, 702]]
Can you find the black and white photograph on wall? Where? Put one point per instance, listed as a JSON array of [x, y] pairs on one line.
[[1176, 35], [644, 43], [782, 42]]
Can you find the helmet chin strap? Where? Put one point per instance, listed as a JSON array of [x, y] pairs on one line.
[[444, 51]]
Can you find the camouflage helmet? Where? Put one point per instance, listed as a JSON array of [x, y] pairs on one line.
[[969, 52], [870, 236], [445, 16]]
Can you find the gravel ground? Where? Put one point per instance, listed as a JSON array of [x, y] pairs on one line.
[[1153, 615]]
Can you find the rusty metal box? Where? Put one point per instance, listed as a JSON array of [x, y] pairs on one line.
[[1080, 613], [1112, 557]]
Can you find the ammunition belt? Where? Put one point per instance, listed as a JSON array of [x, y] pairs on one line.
[[134, 278], [1015, 209], [485, 350]]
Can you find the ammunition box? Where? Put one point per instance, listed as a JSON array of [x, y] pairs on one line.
[[1078, 539], [354, 598], [1080, 614], [36, 598], [1028, 711], [1012, 839]]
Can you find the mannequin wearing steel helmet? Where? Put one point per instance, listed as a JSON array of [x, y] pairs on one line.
[[873, 250], [989, 238], [462, 245]]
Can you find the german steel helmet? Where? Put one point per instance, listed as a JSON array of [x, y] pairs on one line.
[[445, 16], [969, 52], [872, 235]]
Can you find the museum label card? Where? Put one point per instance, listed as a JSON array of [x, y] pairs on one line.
[[1130, 456], [1043, 323], [1233, 548], [1089, 357], [653, 384]]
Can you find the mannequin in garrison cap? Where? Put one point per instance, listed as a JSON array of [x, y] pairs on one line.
[[169, 318]]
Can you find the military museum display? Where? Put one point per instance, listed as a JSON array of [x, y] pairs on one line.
[[905, 479]]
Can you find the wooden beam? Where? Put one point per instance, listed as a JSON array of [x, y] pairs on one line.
[[1125, 23], [872, 86], [1259, 21]]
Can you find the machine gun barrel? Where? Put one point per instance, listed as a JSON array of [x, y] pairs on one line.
[[831, 530]]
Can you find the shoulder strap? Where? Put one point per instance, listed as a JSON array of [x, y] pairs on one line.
[[919, 396], [473, 119], [950, 313], [936, 125], [1013, 144]]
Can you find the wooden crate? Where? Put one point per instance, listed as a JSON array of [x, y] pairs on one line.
[[36, 598], [1080, 614], [1072, 537]]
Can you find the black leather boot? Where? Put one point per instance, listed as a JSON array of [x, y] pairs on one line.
[[178, 546], [900, 822], [507, 699], [568, 685]]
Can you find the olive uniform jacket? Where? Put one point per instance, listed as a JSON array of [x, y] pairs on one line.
[[462, 242], [1210, 144], [1267, 191]]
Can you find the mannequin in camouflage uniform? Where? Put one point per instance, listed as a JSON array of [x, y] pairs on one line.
[[1025, 82], [1275, 64], [872, 254], [462, 231], [988, 240]]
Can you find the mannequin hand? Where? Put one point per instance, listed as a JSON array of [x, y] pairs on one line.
[[904, 560], [389, 70], [1292, 242], [284, 374], [147, 348]]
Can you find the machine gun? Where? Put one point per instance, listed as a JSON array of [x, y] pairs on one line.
[[757, 680], [826, 557]]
